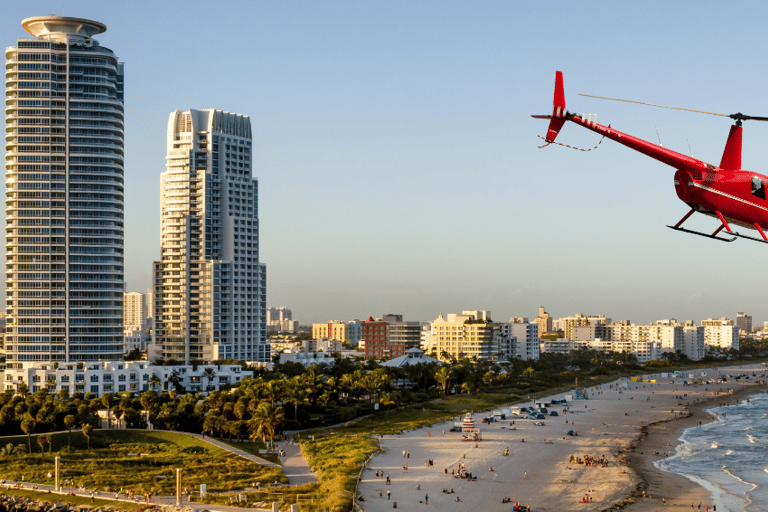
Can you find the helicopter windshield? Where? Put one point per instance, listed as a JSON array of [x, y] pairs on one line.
[[758, 187]]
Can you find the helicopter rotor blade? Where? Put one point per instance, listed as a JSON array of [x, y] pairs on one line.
[[675, 108]]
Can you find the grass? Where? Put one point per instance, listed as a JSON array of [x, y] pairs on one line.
[[143, 461]]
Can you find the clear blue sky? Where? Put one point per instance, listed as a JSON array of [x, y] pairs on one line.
[[398, 166]]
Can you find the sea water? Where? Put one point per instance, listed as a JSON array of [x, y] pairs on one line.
[[728, 456]]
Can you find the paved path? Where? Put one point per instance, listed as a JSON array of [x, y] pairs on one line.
[[236, 451], [163, 501], [295, 466]]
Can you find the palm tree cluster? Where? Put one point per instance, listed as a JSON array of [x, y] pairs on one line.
[[289, 397]]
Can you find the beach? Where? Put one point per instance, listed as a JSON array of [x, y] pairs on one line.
[[622, 428]]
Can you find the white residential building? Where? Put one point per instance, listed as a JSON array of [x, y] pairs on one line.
[[119, 377], [524, 340], [693, 341], [209, 288], [134, 311], [720, 335], [642, 350], [64, 195]]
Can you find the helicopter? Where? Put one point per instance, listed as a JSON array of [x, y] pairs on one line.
[[730, 194]]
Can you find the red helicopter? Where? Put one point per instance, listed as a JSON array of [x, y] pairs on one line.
[[726, 192]]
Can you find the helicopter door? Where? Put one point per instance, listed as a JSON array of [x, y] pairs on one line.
[[758, 187]]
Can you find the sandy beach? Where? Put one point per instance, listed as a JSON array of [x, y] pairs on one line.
[[629, 424]]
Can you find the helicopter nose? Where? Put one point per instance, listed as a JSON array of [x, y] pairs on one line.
[[684, 186]]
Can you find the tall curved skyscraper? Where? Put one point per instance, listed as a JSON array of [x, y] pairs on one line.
[[64, 195]]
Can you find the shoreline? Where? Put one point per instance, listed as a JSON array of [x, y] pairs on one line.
[[664, 436]]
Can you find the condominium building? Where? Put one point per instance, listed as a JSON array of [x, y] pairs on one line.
[[209, 288], [279, 319], [388, 337], [720, 335], [524, 339], [693, 341], [470, 334], [134, 311], [64, 195], [333, 330], [544, 321], [568, 323], [744, 323], [643, 350]]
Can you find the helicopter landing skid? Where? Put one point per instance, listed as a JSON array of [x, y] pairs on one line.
[[749, 237], [714, 236]]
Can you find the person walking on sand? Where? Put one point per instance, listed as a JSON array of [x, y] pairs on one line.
[[426, 499], [389, 493], [525, 474]]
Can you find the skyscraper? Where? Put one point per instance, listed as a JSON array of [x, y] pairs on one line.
[[209, 291], [64, 195]]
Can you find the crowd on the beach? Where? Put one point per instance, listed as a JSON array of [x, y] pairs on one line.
[[589, 461]]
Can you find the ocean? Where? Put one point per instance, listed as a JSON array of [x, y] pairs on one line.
[[728, 456]]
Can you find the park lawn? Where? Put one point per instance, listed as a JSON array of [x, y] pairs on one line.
[[144, 461]]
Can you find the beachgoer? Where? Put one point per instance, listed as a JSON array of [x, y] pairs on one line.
[[426, 499], [525, 474], [389, 493]]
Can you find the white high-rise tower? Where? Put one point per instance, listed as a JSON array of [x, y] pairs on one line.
[[64, 195], [208, 293]]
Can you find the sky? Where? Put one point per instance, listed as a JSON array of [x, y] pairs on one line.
[[398, 165]]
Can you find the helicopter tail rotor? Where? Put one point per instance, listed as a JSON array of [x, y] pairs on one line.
[[559, 113]]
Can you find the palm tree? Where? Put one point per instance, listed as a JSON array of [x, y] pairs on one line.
[[108, 399], [70, 421], [297, 395], [443, 375], [87, 429], [387, 400], [265, 421], [155, 381], [28, 427], [49, 440], [41, 444], [175, 379], [209, 374], [274, 390]]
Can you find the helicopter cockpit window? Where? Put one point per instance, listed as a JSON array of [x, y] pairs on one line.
[[758, 187]]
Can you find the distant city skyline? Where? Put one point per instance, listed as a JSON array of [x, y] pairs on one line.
[[398, 165]]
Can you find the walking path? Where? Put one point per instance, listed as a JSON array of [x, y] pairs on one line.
[[163, 501], [235, 451], [295, 466]]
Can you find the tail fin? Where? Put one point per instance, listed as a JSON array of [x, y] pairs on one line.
[[558, 109], [732, 154]]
